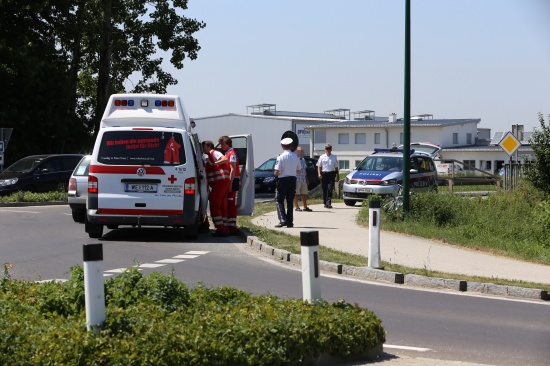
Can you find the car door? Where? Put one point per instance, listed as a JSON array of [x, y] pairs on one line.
[[48, 175]]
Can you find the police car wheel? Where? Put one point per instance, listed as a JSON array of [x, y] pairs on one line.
[[350, 202]]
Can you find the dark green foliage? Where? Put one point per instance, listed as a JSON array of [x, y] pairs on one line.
[[539, 172], [60, 60], [157, 320]]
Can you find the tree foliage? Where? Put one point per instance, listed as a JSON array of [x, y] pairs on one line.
[[69, 56], [539, 173]]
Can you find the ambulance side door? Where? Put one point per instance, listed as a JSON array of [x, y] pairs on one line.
[[201, 172], [245, 153]]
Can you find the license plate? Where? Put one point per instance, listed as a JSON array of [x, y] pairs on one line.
[[364, 190], [149, 188]]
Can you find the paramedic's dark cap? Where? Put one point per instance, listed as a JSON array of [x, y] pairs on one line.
[[286, 141]]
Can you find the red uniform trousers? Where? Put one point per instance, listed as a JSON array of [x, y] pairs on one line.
[[218, 203], [232, 211]]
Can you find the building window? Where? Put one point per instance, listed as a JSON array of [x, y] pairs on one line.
[[469, 164], [469, 138], [343, 138], [343, 164], [360, 138], [455, 138], [377, 138], [320, 137], [401, 138]]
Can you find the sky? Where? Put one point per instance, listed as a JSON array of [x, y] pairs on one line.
[[487, 59]]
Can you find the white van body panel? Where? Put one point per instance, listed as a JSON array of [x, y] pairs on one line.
[[147, 167]]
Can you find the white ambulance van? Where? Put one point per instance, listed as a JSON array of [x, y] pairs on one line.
[[147, 168]]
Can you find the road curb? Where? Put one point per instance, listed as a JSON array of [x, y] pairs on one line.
[[400, 278]]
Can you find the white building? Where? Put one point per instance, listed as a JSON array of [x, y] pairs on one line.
[[354, 135]]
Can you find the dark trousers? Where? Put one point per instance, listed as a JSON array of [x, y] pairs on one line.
[[286, 189], [327, 182]]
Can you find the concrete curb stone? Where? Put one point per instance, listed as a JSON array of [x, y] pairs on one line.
[[400, 278]]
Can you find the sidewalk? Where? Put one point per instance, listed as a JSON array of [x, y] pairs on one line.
[[338, 230]]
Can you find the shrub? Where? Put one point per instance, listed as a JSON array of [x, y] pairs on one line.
[[157, 320]]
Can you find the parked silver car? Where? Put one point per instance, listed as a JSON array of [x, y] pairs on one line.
[[78, 189]]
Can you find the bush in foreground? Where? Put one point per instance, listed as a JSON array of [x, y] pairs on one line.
[[158, 320]]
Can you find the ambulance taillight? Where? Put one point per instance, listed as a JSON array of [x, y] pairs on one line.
[[189, 186], [92, 184]]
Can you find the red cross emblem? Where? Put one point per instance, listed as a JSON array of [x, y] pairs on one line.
[[172, 179]]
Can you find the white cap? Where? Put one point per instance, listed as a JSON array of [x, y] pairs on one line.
[[286, 141]]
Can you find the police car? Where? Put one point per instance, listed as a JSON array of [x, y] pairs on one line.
[[381, 173], [147, 169]]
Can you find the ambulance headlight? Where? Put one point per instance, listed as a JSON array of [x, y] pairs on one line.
[[8, 182]]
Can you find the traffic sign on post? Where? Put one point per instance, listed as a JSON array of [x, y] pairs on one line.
[[509, 143]]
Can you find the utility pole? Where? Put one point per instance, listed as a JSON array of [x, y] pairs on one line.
[[407, 112]]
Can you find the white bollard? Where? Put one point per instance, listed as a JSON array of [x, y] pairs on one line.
[[311, 285], [374, 235], [94, 292]]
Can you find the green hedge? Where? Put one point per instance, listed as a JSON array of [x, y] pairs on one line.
[[158, 320]]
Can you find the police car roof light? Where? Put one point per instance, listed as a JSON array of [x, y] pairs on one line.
[[378, 150]]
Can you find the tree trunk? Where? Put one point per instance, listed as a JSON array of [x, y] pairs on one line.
[[103, 87]]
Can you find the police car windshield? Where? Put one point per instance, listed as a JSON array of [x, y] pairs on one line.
[[381, 163], [141, 148]]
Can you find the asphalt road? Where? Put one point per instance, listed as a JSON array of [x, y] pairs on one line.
[[43, 243]]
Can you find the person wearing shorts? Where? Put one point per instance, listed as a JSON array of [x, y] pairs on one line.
[[301, 183]]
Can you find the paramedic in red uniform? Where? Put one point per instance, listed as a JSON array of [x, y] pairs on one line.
[[235, 177], [217, 173]]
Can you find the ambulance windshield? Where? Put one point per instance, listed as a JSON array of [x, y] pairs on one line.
[[139, 147]]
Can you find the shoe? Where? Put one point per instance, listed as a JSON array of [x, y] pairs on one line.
[[290, 225], [329, 206], [280, 225], [220, 234], [307, 209], [234, 232], [297, 209]]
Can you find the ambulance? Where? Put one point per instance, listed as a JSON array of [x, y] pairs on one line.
[[147, 168]]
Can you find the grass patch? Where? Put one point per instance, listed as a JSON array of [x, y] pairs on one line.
[[512, 228]]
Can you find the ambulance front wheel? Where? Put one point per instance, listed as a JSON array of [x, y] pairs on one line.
[[94, 231]]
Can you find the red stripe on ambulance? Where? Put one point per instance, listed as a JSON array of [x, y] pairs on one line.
[[116, 169]]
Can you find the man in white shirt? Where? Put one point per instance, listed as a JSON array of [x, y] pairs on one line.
[[327, 169], [287, 167]]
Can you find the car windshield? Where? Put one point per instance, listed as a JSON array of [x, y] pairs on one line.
[[268, 165], [381, 163], [24, 165]]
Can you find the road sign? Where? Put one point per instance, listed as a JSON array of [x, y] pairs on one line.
[[509, 143]]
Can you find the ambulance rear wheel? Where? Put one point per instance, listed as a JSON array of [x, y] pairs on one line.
[[94, 231], [191, 232]]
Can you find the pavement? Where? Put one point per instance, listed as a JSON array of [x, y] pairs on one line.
[[338, 229]]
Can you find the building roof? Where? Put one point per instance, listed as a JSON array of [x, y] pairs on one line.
[[383, 122]]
